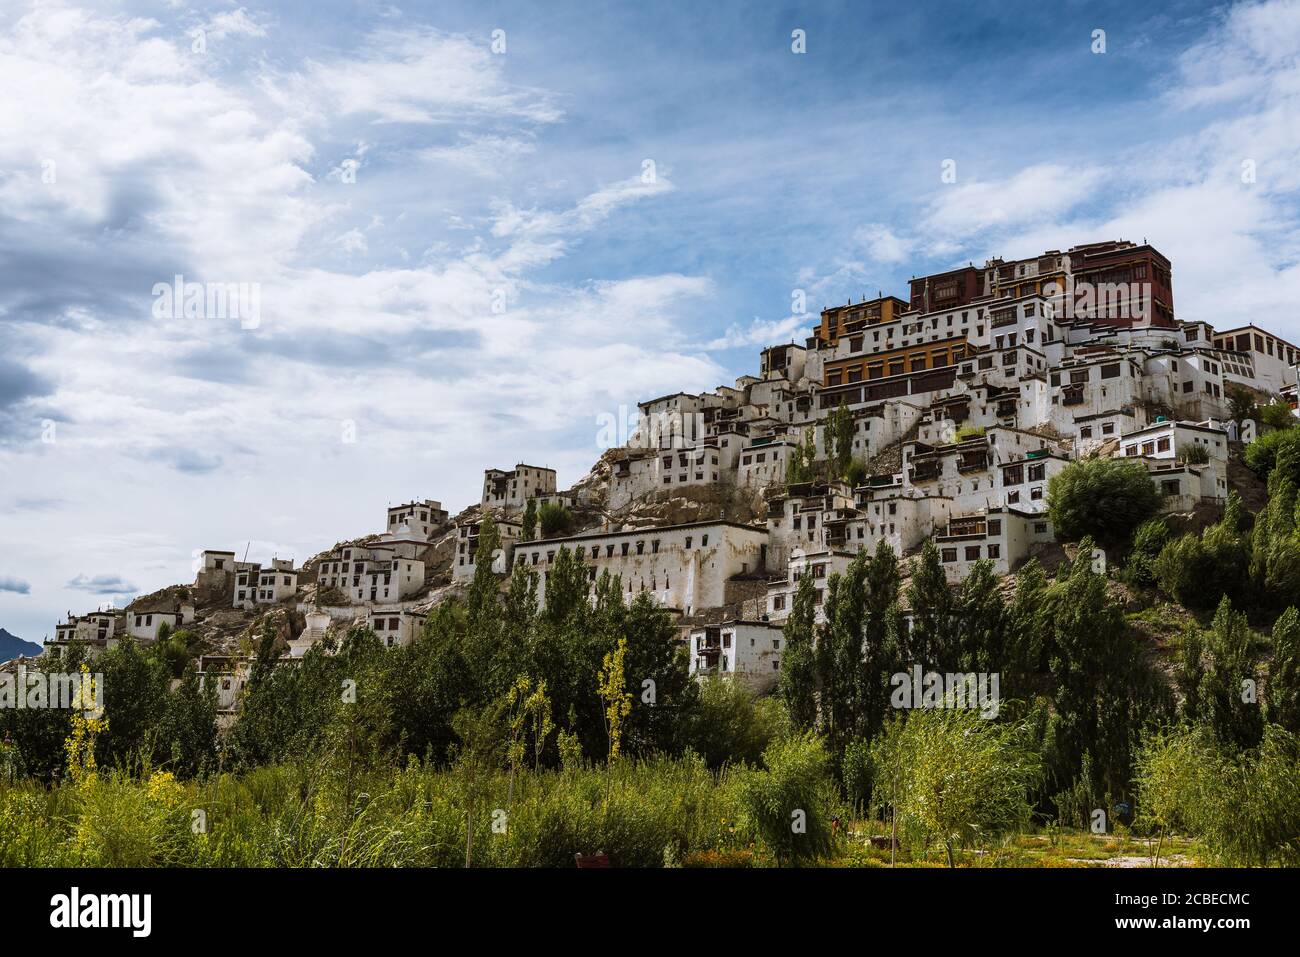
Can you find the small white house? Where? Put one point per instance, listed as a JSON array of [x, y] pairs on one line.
[[747, 650]]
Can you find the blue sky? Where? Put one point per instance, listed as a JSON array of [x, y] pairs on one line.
[[500, 272]]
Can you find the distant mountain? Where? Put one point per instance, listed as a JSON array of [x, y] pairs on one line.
[[12, 647]]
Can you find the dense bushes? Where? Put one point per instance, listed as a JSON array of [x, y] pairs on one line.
[[954, 779], [1245, 806], [312, 814], [790, 803], [1199, 570], [1262, 454]]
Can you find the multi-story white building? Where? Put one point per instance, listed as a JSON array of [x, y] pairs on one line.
[[1266, 362], [395, 629], [383, 571], [684, 567], [1002, 535], [513, 489], [467, 535], [1188, 461], [97, 631], [144, 622], [750, 651], [276, 583], [419, 519]]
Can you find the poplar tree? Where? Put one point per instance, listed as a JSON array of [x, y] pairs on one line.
[[981, 621], [1232, 706], [798, 682], [931, 641], [1284, 673]]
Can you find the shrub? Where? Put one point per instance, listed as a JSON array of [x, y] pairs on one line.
[[1277, 415], [954, 777], [730, 725], [790, 805], [1148, 541], [1199, 570], [554, 520], [1245, 808], [1261, 454], [856, 474], [1104, 498], [739, 858]]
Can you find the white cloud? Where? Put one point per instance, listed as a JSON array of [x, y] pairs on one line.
[[1040, 192], [233, 23], [211, 435], [883, 244], [762, 333], [415, 75]]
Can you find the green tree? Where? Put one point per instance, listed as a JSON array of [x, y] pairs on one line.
[[791, 803], [657, 676], [1105, 692], [529, 530], [798, 681], [729, 725], [1261, 455], [837, 437], [980, 621], [957, 779], [1102, 498], [1189, 673], [1278, 414], [187, 736], [932, 641], [135, 698], [1284, 673], [1243, 806], [1148, 541], [555, 520], [1025, 649], [1231, 705], [841, 655], [1198, 571], [1241, 405]]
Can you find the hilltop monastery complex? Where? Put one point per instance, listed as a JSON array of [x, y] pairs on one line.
[[966, 397]]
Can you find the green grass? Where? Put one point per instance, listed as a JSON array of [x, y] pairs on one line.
[[643, 814]]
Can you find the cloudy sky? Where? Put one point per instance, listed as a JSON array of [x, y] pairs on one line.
[[475, 227]]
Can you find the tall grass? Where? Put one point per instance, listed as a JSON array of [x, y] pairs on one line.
[[640, 813]]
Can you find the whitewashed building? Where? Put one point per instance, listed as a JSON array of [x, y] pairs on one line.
[[683, 567], [749, 651]]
